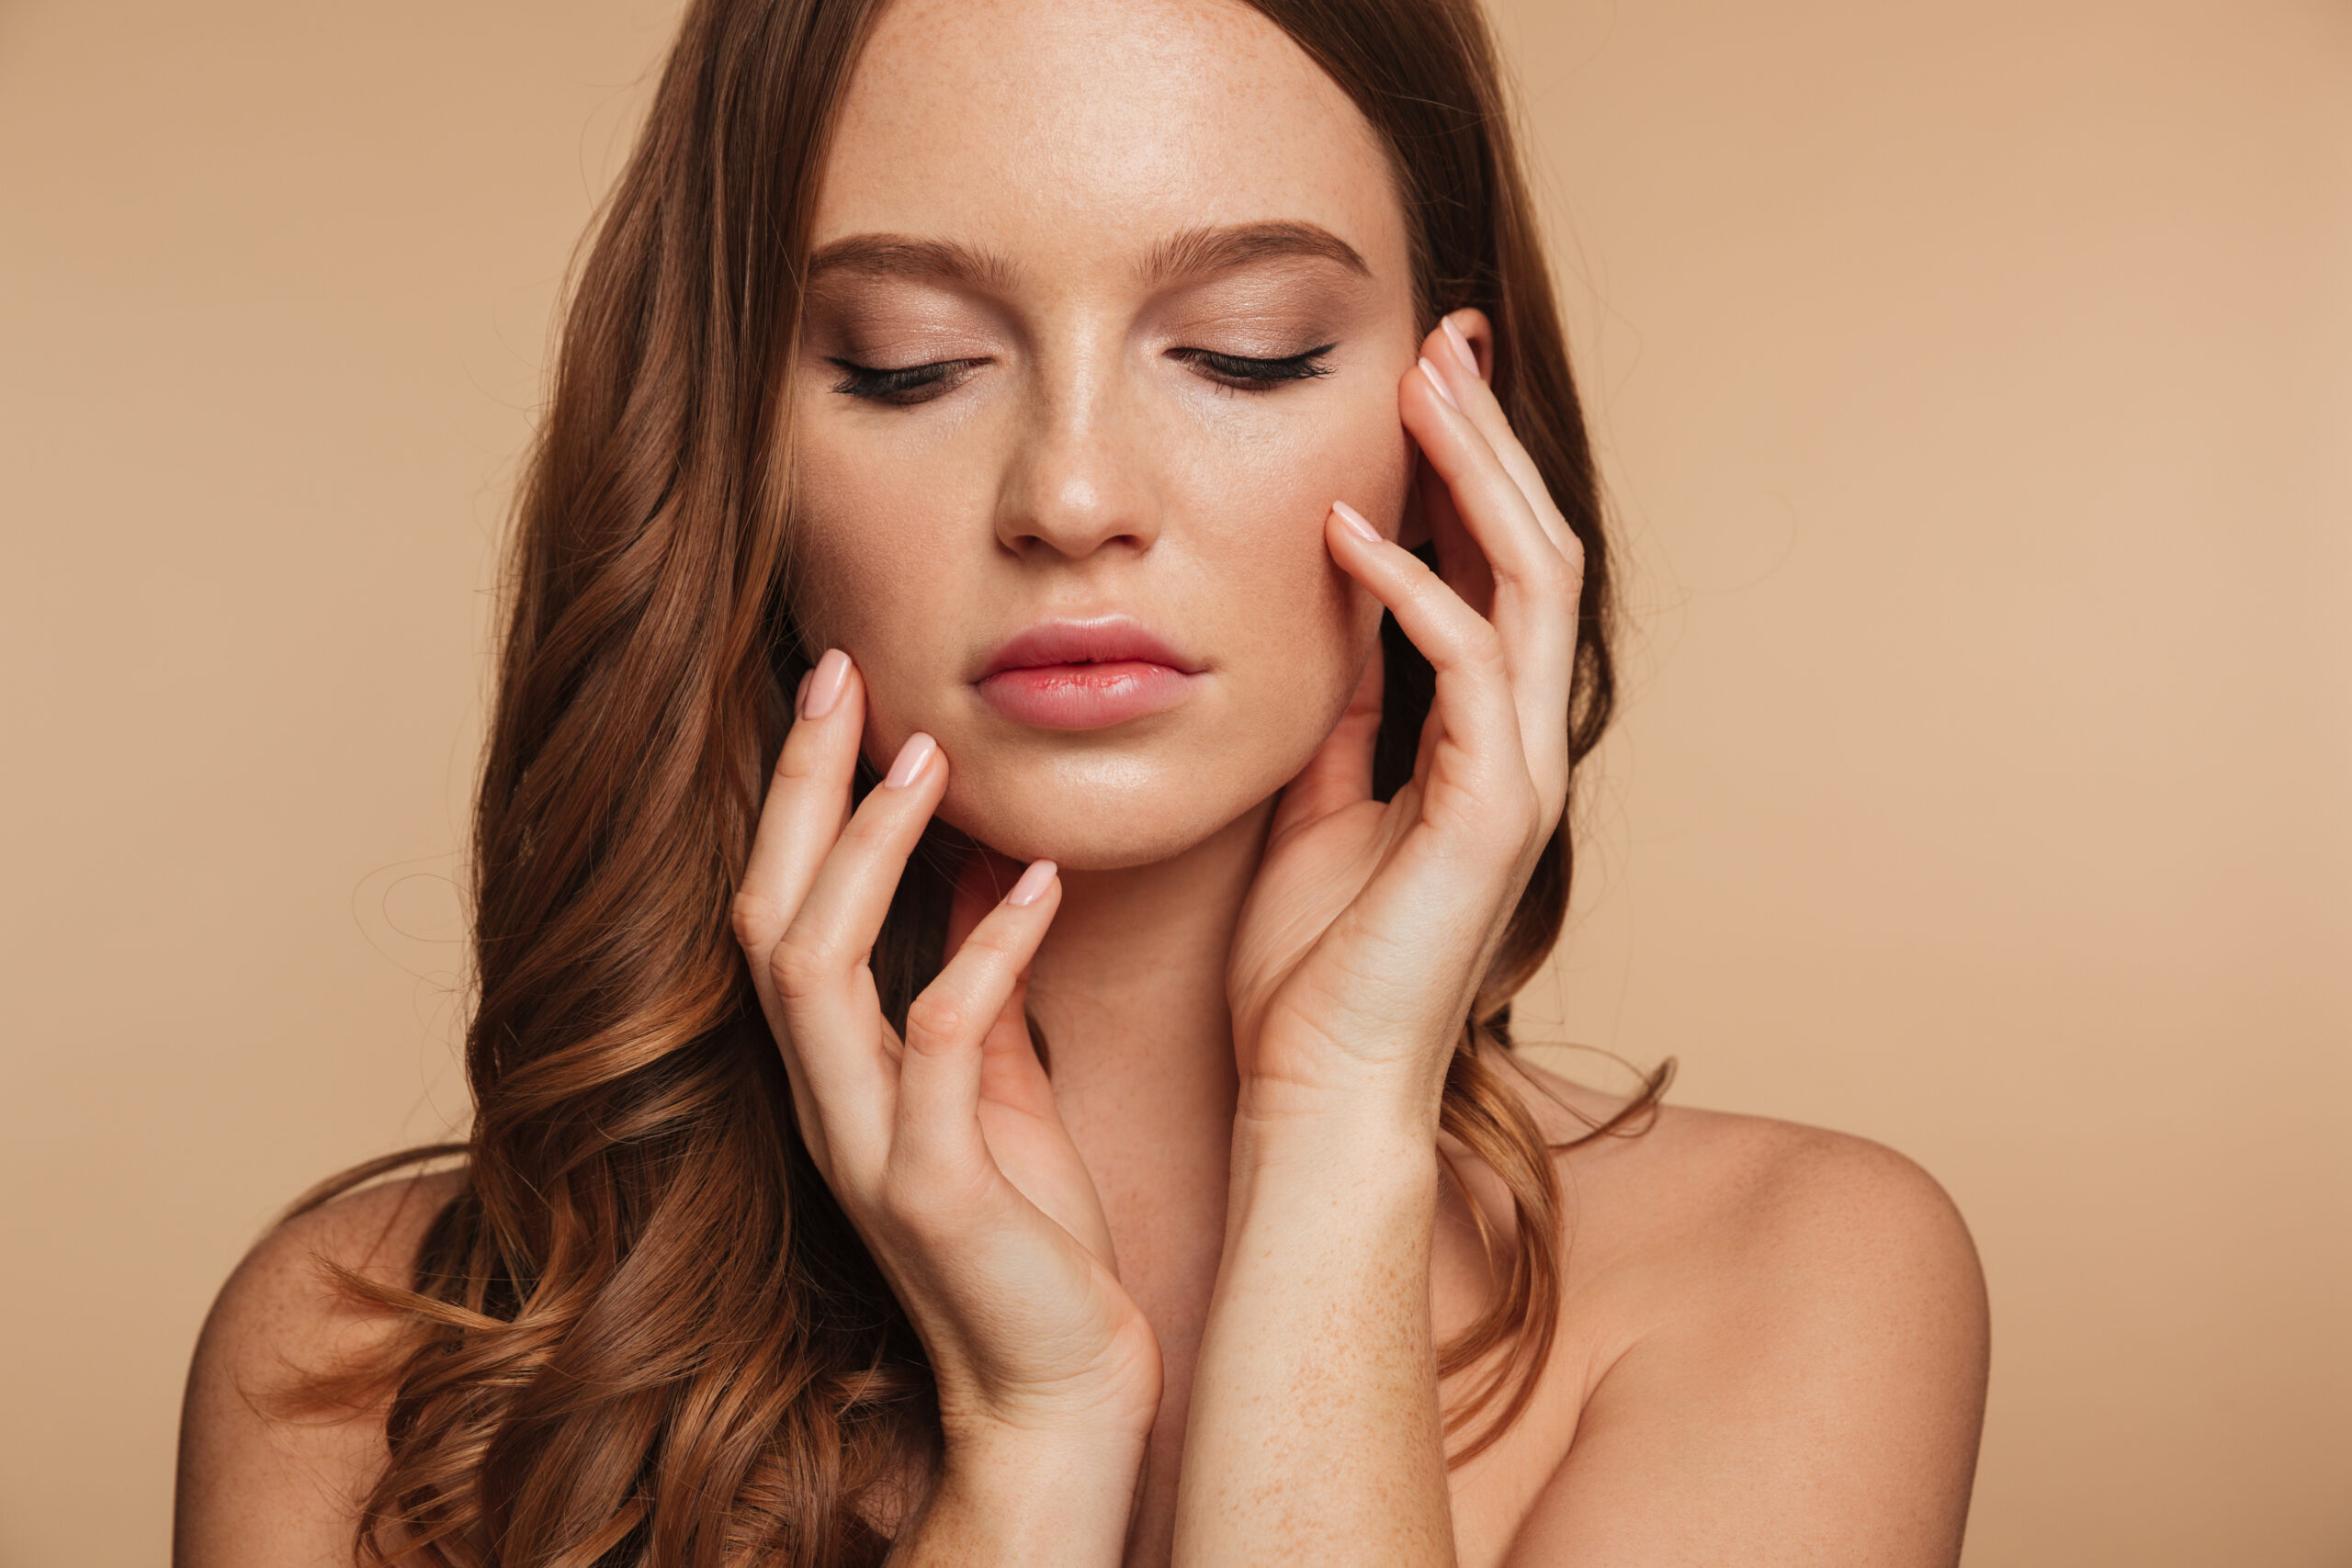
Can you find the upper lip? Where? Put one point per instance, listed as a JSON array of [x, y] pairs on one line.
[[1097, 640]]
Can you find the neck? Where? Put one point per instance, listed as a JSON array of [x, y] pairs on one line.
[[1129, 986]]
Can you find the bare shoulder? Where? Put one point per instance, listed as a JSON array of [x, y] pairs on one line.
[[267, 1476], [1789, 1342], [1745, 1201]]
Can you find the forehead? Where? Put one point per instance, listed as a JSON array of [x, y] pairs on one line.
[[1065, 132]]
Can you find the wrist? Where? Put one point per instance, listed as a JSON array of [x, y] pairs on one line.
[[1304, 1087], [1346, 1173], [1104, 1404], [1369, 1127], [987, 1440], [1011, 1495]]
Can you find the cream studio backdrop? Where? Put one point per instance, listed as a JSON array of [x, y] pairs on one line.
[[1975, 391]]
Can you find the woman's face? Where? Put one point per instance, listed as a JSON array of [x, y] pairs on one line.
[[1108, 304]]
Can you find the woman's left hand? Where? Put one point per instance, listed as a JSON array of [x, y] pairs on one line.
[[1369, 926]]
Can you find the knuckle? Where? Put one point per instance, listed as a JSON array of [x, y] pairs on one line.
[[936, 1020], [800, 757], [753, 919], [1482, 647], [1508, 821], [1543, 577], [1555, 576], [800, 965]]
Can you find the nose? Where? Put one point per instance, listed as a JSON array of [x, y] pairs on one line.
[[1078, 478]]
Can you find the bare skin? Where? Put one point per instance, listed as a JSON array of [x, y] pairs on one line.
[[1058, 246]]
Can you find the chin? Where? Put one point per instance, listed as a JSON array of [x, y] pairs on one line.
[[1107, 811]]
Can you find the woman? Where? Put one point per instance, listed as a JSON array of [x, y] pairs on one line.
[[995, 952]]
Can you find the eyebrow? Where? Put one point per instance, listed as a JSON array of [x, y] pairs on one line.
[[1194, 253], [901, 256]]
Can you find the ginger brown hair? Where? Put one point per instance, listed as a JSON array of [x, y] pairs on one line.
[[643, 1332]]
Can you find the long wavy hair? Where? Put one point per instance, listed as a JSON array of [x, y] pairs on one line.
[[643, 1332]]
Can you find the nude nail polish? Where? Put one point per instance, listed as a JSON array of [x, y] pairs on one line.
[[825, 683], [912, 760], [1357, 523], [1439, 382], [1462, 349], [1032, 885]]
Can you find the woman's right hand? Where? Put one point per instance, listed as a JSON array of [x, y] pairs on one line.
[[946, 1149]]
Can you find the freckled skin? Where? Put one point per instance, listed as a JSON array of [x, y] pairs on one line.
[[1083, 470], [1212, 1293]]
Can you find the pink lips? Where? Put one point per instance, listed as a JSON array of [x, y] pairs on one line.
[[1085, 674]]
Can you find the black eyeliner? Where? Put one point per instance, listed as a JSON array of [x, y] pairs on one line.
[[1243, 370], [890, 385]]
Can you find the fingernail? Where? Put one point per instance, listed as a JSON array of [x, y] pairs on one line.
[[800, 695], [825, 682], [1460, 344], [1439, 382], [914, 757], [1032, 885], [1355, 520]]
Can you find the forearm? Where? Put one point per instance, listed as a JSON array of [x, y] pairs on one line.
[[1043, 1502], [1314, 1435]]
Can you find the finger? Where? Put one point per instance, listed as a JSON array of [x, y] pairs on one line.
[[1497, 510], [807, 801], [1459, 559], [1449, 347], [937, 1134], [1474, 707], [825, 991], [1535, 586], [1340, 774], [1012, 1072], [981, 883], [1009, 1070]]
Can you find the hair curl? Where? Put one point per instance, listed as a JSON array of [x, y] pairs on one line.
[[643, 1332]]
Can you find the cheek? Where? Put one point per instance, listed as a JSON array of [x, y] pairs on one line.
[[1305, 624], [868, 574]]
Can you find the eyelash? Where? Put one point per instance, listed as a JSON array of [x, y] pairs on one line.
[[901, 388], [919, 383], [1244, 374]]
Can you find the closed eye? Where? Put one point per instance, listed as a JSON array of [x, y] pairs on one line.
[[1255, 374], [904, 386]]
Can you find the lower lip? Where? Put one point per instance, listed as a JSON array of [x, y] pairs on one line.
[[1084, 696]]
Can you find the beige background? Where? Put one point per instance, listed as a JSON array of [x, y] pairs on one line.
[[1976, 390]]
